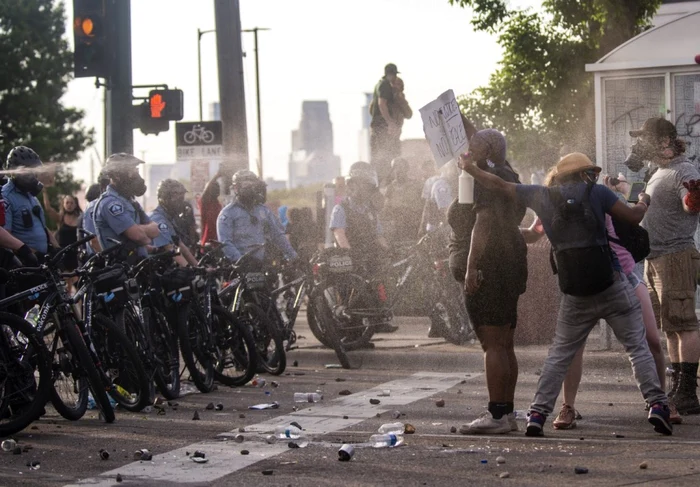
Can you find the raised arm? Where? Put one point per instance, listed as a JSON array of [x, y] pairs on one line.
[[488, 180]]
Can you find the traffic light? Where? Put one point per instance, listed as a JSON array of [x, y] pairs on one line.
[[147, 123], [166, 104], [90, 27]]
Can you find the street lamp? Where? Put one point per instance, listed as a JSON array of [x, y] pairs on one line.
[[200, 33], [254, 30]]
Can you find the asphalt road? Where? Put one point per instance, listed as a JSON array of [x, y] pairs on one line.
[[613, 440]]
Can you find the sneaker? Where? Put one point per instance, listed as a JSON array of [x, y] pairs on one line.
[[512, 422], [535, 422], [659, 417], [486, 425], [674, 417], [566, 419]]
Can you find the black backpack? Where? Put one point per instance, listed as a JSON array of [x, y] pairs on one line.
[[633, 238]]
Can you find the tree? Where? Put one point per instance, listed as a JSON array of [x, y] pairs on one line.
[[37, 68], [541, 95]]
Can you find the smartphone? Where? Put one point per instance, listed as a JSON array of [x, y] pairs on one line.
[[636, 188]]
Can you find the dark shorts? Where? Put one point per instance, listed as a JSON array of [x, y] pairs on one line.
[[494, 304]]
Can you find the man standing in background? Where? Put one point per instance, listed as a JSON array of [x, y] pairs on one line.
[[384, 132]]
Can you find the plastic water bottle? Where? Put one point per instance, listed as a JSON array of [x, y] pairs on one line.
[[397, 428], [389, 440], [307, 397], [288, 432], [32, 315], [466, 188], [91, 404]]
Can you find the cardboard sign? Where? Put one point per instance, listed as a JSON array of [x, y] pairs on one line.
[[443, 127]]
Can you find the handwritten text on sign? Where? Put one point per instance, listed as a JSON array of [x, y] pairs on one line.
[[443, 127]]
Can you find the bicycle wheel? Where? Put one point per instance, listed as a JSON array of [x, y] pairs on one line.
[[69, 392], [195, 346], [236, 360], [268, 340], [327, 325], [84, 365], [25, 374], [122, 364], [449, 316], [167, 356], [341, 297]]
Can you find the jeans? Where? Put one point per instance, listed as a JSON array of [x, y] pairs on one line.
[[619, 306]]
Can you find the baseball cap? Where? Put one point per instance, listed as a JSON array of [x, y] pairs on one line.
[[391, 69], [656, 127]]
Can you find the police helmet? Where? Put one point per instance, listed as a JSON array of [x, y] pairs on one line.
[[169, 187], [244, 175], [22, 156], [362, 172], [120, 164], [93, 192]]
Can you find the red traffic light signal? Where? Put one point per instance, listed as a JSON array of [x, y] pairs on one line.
[[166, 104], [91, 39]]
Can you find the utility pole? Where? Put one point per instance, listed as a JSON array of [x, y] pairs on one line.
[[255, 30], [120, 121], [231, 87], [200, 33]]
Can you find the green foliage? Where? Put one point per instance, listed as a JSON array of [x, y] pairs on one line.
[[37, 65], [297, 197], [541, 96]]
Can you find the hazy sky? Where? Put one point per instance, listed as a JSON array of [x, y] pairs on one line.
[[316, 50]]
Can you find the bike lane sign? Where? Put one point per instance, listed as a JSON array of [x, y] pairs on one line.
[[198, 140]]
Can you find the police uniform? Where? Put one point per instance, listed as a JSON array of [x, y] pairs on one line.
[[24, 218], [240, 230], [168, 233], [113, 215], [88, 223]]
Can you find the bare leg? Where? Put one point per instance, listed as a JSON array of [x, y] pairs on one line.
[[495, 341]]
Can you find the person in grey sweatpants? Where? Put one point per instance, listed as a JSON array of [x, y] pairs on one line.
[[573, 217]]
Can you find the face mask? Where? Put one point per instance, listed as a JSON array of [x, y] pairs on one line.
[[28, 183], [642, 151], [247, 196], [131, 186]]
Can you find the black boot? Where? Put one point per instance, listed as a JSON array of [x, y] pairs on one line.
[[675, 379], [686, 398]]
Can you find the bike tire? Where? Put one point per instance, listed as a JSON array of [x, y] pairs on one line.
[[16, 360], [131, 388], [266, 333], [335, 294], [62, 379], [97, 387], [234, 343], [324, 315], [193, 348], [167, 370]]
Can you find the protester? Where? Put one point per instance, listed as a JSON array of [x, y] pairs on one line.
[[566, 419], [384, 132], [673, 263], [493, 268], [209, 209], [590, 279], [68, 219]]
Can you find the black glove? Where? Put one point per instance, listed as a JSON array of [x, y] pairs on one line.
[[27, 257]]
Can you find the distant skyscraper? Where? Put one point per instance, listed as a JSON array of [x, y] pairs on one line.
[[363, 138], [312, 159]]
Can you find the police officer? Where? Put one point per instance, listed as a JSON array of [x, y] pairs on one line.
[[171, 203], [24, 216], [246, 222], [117, 214], [88, 224]]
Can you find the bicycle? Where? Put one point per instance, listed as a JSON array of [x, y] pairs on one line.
[[198, 132], [75, 369], [346, 308]]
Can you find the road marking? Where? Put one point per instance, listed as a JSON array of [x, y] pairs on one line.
[[174, 467]]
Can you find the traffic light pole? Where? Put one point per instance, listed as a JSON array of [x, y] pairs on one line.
[[120, 119], [200, 33], [255, 30]]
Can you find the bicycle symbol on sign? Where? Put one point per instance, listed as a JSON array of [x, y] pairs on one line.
[[200, 133]]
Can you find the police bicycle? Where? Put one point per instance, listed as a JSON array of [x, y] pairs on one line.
[[75, 368], [346, 308]]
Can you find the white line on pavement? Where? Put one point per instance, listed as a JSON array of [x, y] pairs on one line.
[[224, 457]]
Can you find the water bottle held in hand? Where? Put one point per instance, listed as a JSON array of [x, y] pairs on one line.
[[397, 428], [386, 440], [466, 188], [307, 397]]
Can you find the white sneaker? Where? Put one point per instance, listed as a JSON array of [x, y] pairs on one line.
[[486, 425], [512, 422]]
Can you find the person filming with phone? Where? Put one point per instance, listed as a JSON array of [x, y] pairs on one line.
[[673, 262]]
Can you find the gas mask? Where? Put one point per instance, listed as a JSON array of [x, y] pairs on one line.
[[28, 183], [247, 194], [642, 151], [131, 186]]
